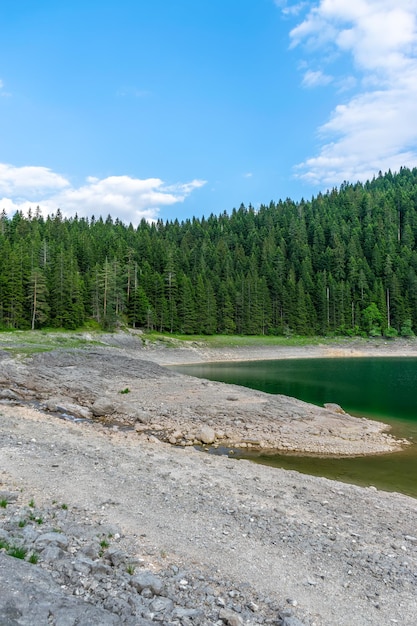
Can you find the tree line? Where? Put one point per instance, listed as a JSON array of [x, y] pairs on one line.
[[343, 262]]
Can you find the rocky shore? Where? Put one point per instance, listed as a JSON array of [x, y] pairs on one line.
[[115, 525], [124, 384]]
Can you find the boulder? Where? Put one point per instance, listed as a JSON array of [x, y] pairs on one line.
[[206, 435], [103, 407]]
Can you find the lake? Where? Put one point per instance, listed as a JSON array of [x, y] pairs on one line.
[[379, 388]]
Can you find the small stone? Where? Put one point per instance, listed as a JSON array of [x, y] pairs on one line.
[[411, 539], [161, 605]]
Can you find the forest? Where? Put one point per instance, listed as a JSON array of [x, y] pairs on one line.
[[344, 262]]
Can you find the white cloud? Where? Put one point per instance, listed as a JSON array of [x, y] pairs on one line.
[[316, 79], [290, 9], [129, 199], [376, 128], [29, 180]]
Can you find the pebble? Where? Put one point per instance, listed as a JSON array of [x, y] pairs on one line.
[[83, 570]]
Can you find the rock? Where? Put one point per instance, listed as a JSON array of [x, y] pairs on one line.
[[58, 539], [141, 417], [66, 407], [8, 394], [230, 617], [103, 407], [411, 539], [116, 557], [291, 621], [52, 553], [30, 596], [161, 605], [9, 496], [147, 580], [182, 613], [336, 408], [206, 435]]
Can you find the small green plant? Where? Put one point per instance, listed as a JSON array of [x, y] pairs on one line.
[[127, 390], [32, 503], [130, 569], [22, 523], [3, 545], [34, 558], [17, 551], [3, 503], [104, 543], [64, 507], [39, 520]]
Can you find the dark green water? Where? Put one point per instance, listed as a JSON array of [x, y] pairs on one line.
[[379, 388]]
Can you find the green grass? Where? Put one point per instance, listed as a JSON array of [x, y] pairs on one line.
[[124, 391], [28, 342], [34, 558], [22, 523], [64, 507], [3, 503], [18, 552], [32, 503], [227, 341]]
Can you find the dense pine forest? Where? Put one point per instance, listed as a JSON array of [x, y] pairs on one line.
[[344, 262]]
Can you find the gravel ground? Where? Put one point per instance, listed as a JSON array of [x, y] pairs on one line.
[[229, 542]]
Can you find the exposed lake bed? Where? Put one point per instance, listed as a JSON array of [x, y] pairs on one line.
[[381, 388], [324, 552]]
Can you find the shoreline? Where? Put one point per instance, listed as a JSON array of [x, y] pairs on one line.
[[264, 542], [355, 348], [125, 382]]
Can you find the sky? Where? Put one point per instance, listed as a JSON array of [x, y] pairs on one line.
[[169, 109]]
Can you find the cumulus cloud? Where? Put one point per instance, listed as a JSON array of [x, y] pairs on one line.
[[29, 180], [376, 128], [129, 199]]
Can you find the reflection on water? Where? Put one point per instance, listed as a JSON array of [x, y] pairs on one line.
[[378, 388]]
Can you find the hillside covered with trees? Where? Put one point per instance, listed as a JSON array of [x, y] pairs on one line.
[[344, 262]]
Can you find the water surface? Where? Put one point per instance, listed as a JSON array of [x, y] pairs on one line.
[[379, 388]]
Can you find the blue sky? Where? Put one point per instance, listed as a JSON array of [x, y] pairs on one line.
[[181, 108]]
